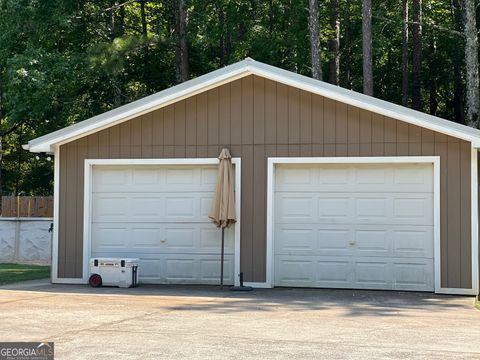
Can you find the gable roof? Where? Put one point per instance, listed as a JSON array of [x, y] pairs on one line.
[[236, 71]]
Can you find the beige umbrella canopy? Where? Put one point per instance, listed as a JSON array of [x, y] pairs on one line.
[[222, 212]]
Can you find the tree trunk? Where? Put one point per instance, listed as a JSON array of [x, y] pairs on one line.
[[335, 45], [405, 53], [314, 27], [432, 85], [367, 47], [116, 30], [221, 25], [471, 63], [143, 17], [348, 73], [19, 161], [458, 99], [181, 47], [417, 55], [147, 78]]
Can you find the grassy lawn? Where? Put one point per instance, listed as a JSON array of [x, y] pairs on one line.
[[10, 273], [477, 304]]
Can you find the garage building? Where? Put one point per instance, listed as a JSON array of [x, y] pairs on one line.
[[333, 188]]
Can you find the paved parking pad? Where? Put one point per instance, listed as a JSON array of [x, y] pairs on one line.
[[154, 322]]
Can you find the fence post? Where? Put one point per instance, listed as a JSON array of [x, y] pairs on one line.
[[16, 256]]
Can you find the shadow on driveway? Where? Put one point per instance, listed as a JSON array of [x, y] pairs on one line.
[[215, 300]]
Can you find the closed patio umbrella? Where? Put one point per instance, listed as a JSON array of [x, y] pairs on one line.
[[222, 212]]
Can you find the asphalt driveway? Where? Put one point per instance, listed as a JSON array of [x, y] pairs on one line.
[[201, 322]]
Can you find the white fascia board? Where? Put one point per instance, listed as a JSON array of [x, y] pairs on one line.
[[138, 108], [368, 103], [237, 71]]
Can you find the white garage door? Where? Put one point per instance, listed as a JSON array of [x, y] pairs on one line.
[[354, 226], [160, 215]]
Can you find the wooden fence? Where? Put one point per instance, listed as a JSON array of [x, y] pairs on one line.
[[27, 206]]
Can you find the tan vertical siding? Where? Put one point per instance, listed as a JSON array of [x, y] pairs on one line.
[[246, 241], [259, 118], [465, 218], [224, 116]]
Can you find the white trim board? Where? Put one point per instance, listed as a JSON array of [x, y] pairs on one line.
[[237, 71], [87, 210], [435, 160], [257, 285], [56, 201], [474, 201]]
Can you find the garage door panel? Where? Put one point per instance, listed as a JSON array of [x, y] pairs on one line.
[[159, 214], [414, 209], [371, 207], [333, 272], [371, 242], [204, 270], [411, 242], [154, 207], [108, 180], [160, 238], [105, 238], [365, 240], [286, 180], [371, 176], [145, 207], [147, 179], [371, 229], [180, 270], [210, 270], [410, 275], [354, 208], [299, 208], [336, 240], [338, 178], [180, 238], [337, 207], [294, 239], [294, 271], [372, 273], [211, 238], [109, 207], [144, 237], [121, 207], [333, 176], [418, 175], [149, 269], [112, 237], [175, 176], [180, 207], [205, 205]]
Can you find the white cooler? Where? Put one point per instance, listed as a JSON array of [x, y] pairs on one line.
[[121, 272]]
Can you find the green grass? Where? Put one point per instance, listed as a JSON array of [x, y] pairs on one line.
[[477, 304], [11, 273]]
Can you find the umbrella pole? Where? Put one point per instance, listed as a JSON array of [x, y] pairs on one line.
[[221, 265]]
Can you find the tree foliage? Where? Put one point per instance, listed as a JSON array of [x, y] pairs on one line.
[[64, 61]]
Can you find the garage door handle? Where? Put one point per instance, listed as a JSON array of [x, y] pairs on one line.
[[163, 240], [352, 242]]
